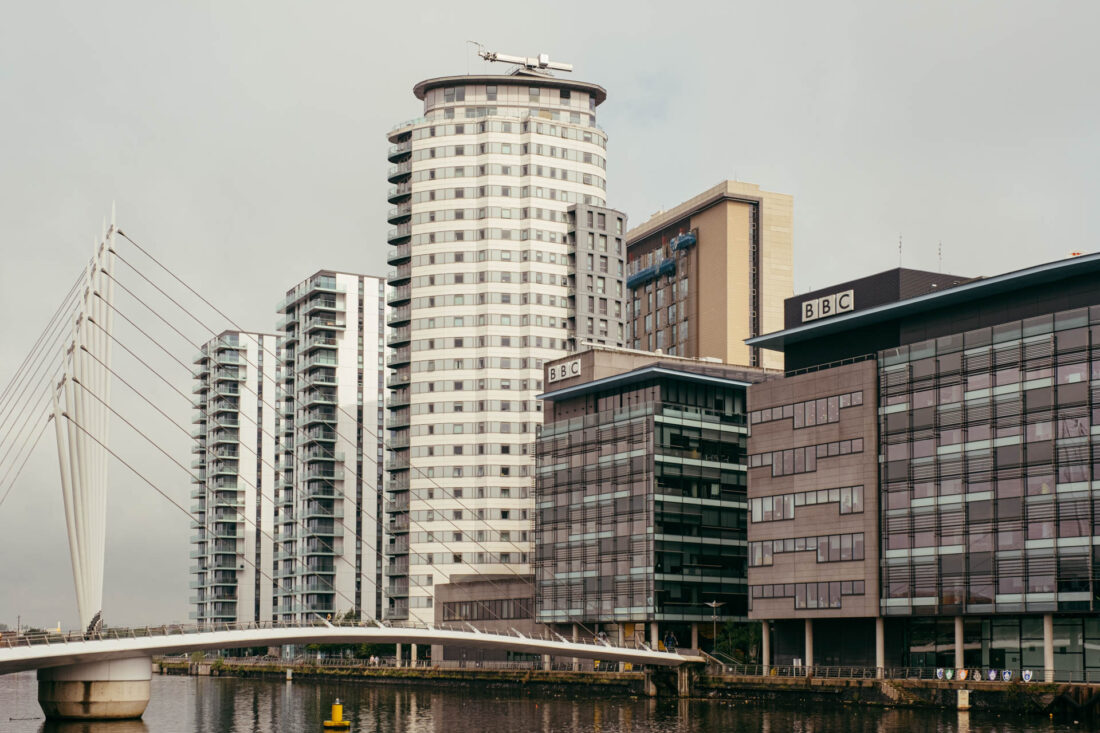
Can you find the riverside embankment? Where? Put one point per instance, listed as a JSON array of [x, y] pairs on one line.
[[1070, 700]]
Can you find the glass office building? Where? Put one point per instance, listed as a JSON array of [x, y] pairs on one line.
[[987, 394], [640, 495]]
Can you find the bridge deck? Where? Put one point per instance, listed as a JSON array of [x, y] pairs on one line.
[[60, 650]]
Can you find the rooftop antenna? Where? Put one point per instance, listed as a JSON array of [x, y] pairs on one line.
[[479, 51], [939, 255], [541, 62], [899, 250]]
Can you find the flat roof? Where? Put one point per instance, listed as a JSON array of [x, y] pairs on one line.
[[727, 190], [638, 375], [523, 80], [973, 290]]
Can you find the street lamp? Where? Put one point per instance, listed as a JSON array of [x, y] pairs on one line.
[[714, 606]]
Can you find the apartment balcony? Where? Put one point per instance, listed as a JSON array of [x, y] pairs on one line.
[[400, 545], [399, 357], [400, 315], [319, 358], [287, 320], [229, 357], [320, 378], [399, 213], [227, 389], [223, 405], [398, 336], [321, 471], [399, 151], [398, 379], [329, 322], [399, 295], [319, 397], [401, 505], [398, 483], [399, 173], [321, 453], [223, 436], [399, 233], [229, 373], [398, 463], [399, 253], [400, 192], [398, 523], [311, 417], [322, 512], [202, 370], [398, 398], [398, 566], [397, 590], [400, 274], [322, 303], [316, 284], [319, 342], [319, 435], [200, 387]]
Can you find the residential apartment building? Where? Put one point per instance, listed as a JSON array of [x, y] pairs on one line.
[[928, 471], [234, 478], [331, 454], [641, 495], [492, 190], [711, 272]]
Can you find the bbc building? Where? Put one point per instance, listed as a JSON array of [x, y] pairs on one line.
[[924, 481]]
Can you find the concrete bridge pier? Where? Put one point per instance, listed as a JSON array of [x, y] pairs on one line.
[[113, 690]]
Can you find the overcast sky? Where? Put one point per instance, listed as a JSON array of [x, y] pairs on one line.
[[244, 144]]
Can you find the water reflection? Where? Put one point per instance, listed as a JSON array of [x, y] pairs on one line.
[[79, 726], [217, 705]]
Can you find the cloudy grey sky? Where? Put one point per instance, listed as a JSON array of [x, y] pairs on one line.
[[244, 143]]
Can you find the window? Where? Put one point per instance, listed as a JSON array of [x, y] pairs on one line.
[[491, 93]]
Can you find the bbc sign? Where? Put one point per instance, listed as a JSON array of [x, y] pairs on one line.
[[558, 372], [828, 305]]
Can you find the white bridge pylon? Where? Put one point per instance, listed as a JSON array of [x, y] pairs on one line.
[[82, 426]]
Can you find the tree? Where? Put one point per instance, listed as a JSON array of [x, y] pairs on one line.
[[741, 641]]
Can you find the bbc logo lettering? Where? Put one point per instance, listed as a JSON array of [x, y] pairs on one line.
[[558, 372], [828, 305]]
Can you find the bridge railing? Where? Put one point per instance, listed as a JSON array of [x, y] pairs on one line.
[[8, 640], [979, 674]]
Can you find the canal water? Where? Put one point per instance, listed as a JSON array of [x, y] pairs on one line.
[[223, 705]]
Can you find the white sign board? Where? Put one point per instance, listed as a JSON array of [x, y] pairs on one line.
[[565, 370], [828, 305]]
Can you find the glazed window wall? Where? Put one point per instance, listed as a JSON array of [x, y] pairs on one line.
[[810, 412], [782, 507], [804, 459], [829, 548], [1006, 642], [811, 595], [633, 523], [989, 444]]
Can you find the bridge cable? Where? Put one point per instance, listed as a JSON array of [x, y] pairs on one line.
[[443, 516], [508, 566], [134, 389], [179, 506]]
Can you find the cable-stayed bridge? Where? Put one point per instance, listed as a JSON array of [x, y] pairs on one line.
[[70, 379]]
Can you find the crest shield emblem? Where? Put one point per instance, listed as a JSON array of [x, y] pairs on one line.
[[992, 675], [1006, 675], [963, 674], [939, 673], [950, 674], [1027, 675]]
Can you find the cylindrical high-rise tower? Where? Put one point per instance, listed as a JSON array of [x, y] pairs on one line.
[[483, 290]]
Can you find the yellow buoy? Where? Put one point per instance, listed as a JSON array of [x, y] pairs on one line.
[[337, 722]]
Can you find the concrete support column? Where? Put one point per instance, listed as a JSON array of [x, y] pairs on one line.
[[880, 645], [765, 646], [397, 656], [437, 654], [959, 642], [809, 642], [654, 637], [576, 638], [113, 690], [695, 636], [1048, 647], [546, 662], [412, 655]]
